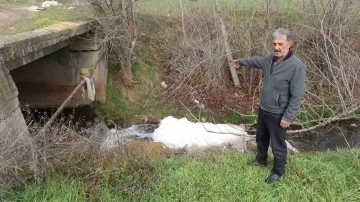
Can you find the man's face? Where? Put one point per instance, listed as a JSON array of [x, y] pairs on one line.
[[281, 46]]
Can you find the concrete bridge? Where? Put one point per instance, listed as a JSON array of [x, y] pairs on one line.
[[41, 68]]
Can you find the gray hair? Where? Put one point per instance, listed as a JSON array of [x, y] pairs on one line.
[[281, 32]]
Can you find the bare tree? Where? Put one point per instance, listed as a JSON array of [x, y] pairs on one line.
[[117, 21], [325, 39], [226, 43], [327, 43]]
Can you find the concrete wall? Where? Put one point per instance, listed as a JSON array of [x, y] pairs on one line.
[[91, 51], [11, 119]]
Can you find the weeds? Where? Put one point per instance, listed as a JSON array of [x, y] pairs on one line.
[[231, 117], [73, 156]]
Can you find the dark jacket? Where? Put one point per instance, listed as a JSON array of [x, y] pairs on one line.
[[282, 89]]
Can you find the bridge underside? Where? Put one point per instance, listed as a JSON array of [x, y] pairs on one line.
[[41, 68], [48, 81]]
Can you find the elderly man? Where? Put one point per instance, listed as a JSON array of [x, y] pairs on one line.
[[281, 94]]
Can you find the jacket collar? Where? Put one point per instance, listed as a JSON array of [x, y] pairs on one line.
[[288, 55]]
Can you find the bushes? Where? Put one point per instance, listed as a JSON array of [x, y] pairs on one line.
[[325, 39]]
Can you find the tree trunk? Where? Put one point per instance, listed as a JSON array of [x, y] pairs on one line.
[[118, 26], [126, 75], [226, 44], [124, 53]]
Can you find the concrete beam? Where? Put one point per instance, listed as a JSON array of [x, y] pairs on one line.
[[20, 49]]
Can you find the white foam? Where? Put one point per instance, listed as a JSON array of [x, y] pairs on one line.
[[180, 133]]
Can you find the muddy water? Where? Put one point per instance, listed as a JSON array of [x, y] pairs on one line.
[[331, 137], [83, 117]]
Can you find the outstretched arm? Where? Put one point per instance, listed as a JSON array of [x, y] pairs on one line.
[[257, 62]]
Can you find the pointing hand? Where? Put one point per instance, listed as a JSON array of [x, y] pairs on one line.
[[236, 64]]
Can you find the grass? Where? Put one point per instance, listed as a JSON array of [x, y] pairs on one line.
[[45, 18], [231, 117], [29, 1], [143, 101], [235, 118], [136, 104], [172, 6], [218, 176], [225, 177], [58, 188], [124, 103], [319, 112], [207, 176]]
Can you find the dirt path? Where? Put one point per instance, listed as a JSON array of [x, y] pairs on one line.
[[10, 14]]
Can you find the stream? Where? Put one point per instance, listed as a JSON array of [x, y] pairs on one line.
[[327, 138], [339, 135]]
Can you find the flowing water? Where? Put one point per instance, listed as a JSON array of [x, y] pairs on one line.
[[339, 135], [343, 134]]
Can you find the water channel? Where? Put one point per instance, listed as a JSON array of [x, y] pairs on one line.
[[337, 135]]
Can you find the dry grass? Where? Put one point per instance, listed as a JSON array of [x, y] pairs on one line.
[[72, 150]]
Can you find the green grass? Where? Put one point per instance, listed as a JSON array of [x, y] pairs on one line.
[[235, 118], [168, 6], [329, 176], [219, 176], [143, 102], [231, 117], [29, 1], [320, 112], [58, 188], [45, 18], [136, 104]]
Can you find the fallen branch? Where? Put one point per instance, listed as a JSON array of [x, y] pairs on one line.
[[58, 111], [291, 148], [244, 115], [189, 111], [73, 93], [322, 122], [217, 127], [327, 121], [288, 145]]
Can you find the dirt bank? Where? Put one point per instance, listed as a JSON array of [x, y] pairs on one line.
[[10, 14]]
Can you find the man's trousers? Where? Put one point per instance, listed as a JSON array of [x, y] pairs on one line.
[[268, 128]]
